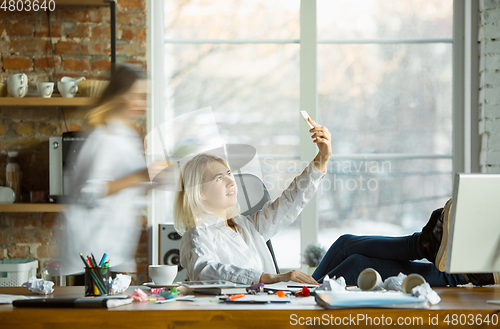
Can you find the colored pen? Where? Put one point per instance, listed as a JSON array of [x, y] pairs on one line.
[[233, 297], [103, 259]]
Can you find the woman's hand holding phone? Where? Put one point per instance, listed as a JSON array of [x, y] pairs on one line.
[[322, 137]]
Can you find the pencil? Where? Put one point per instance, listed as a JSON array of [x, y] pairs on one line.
[[93, 260], [83, 260]]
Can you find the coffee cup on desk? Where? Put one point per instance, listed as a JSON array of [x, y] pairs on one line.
[[411, 282], [45, 89], [67, 89], [17, 85], [370, 280], [162, 274]]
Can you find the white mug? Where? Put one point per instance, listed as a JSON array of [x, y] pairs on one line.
[[45, 89], [411, 282], [162, 274], [370, 280], [18, 79], [7, 195], [67, 89], [17, 91], [17, 85]]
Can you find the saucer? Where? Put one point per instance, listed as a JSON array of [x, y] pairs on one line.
[[153, 285]]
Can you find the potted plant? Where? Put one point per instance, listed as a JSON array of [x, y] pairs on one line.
[[313, 254]]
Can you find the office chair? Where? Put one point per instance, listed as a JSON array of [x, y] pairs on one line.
[[252, 195]]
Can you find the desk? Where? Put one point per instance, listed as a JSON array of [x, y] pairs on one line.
[[455, 302]]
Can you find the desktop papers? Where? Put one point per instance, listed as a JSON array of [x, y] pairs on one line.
[[355, 299]]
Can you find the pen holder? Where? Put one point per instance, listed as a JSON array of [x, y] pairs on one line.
[[97, 281]]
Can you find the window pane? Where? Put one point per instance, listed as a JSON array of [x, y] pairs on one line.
[[253, 91], [222, 19], [384, 197], [386, 98], [373, 19]]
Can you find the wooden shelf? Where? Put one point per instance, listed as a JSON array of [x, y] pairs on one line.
[[32, 207], [83, 2], [53, 101]]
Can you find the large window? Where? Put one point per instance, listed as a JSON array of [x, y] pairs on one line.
[[383, 88], [385, 92]]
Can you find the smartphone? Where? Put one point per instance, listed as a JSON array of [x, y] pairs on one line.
[[306, 117]]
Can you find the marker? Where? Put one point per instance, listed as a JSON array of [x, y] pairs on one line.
[[233, 297], [103, 259]]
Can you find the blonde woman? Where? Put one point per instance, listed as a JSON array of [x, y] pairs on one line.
[[107, 183], [217, 243]]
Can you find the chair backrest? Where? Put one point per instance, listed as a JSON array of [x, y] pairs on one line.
[[252, 195]]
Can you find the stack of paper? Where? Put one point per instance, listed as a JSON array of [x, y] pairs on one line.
[[331, 299]]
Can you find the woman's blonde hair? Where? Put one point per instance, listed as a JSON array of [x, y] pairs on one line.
[[112, 98], [188, 205]]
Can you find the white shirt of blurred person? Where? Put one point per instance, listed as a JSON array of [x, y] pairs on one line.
[[107, 187], [219, 244]]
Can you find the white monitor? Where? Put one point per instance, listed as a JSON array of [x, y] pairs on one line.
[[474, 236]]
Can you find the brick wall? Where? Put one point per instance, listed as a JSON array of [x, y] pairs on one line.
[[81, 38], [489, 94]]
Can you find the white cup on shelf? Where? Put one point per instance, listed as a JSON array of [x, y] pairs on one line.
[[75, 80], [7, 195], [45, 89], [17, 85], [67, 89]]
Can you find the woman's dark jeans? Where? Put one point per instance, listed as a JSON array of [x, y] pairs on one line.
[[351, 254]]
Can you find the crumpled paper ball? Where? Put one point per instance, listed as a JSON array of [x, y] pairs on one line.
[[395, 282], [425, 291], [139, 295], [332, 284], [119, 284], [39, 286]]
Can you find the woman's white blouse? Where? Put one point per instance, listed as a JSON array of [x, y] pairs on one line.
[[214, 251], [96, 223]]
